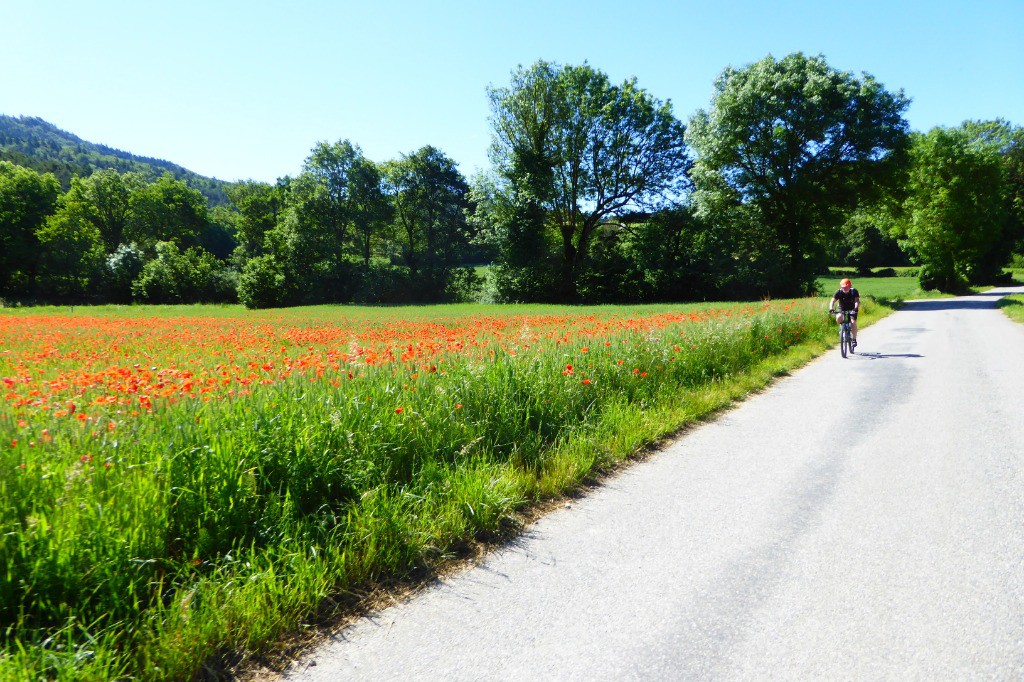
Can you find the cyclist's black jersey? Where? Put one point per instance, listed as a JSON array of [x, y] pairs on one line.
[[846, 299]]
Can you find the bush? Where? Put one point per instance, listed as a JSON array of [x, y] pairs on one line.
[[124, 266], [931, 279], [261, 284], [189, 276]]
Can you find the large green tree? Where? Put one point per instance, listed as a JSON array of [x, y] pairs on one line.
[[957, 218], [338, 208], [259, 205], [72, 254], [789, 148], [430, 197], [26, 200], [574, 150], [105, 198], [166, 210]]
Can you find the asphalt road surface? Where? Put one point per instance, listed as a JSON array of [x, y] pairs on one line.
[[862, 519]]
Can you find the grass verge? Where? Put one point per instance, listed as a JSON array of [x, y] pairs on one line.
[[1013, 306]]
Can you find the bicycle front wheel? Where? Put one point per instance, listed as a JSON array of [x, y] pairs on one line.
[[843, 336]]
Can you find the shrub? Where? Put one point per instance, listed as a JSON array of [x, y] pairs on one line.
[[188, 276], [261, 284], [948, 281]]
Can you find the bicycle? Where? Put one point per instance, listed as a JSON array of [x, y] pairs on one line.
[[845, 332]]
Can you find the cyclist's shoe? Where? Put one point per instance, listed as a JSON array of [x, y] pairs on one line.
[[855, 343]]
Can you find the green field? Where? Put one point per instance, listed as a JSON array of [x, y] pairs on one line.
[[894, 288], [185, 486], [888, 288]]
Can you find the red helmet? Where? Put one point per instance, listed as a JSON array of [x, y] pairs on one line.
[[845, 283]]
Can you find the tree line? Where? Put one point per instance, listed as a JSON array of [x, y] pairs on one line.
[[596, 193]]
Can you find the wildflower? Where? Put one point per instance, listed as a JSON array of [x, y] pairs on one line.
[[399, 410], [85, 458], [587, 382], [458, 406]]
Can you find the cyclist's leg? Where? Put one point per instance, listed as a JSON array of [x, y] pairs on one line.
[[853, 328]]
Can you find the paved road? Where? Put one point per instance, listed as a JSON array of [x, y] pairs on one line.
[[863, 519]]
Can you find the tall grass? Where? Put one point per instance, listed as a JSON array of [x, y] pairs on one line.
[[154, 537]]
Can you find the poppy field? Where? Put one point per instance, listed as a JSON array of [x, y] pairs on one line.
[[183, 486]]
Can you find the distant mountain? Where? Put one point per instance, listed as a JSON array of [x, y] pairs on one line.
[[33, 143]]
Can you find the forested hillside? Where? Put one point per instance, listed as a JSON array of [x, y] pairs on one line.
[[33, 143]]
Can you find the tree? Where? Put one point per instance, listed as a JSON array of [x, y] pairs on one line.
[[573, 151], [166, 210], [1006, 141], [430, 199], [867, 243], [26, 200], [793, 146], [259, 205], [957, 209], [71, 253], [105, 196], [337, 207]]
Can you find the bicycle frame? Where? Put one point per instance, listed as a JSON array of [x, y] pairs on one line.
[[845, 334]]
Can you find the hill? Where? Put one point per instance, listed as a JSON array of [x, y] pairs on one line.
[[34, 143]]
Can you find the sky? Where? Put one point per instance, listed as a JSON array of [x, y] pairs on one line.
[[244, 90]]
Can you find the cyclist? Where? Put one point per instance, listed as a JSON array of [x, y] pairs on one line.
[[848, 299]]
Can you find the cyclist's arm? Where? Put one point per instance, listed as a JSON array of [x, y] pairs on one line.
[[856, 304], [832, 304]]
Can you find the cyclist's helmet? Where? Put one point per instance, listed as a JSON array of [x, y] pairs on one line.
[[845, 283]]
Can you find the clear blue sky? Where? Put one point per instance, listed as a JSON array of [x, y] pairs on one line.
[[241, 90]]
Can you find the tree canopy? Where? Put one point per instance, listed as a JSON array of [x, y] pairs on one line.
[[789, 148], [959, 219], [574, 150]]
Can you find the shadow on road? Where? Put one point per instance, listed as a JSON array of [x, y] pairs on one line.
[[887, 356], [950, 304], [985, 301]]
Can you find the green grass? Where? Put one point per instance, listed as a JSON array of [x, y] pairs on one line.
[[888, 288], [221, 526], [1013, 306]]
